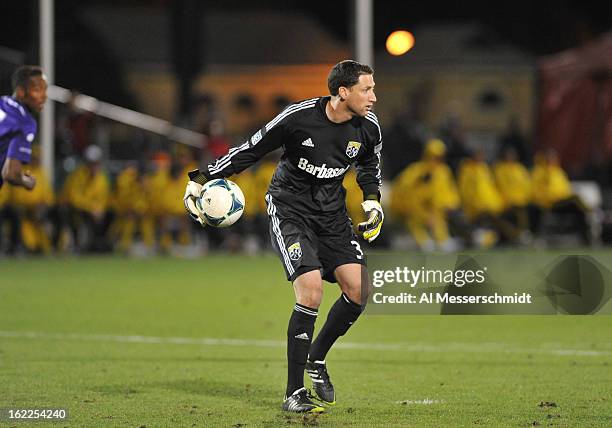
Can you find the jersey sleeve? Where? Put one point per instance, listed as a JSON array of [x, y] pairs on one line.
[[21, 132], [267, 139], [20, 147], [368, 166]]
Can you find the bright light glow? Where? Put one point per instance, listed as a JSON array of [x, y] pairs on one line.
[[399, 42]]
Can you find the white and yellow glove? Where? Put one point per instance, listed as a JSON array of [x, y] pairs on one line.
[[371, 227], [192, 192]]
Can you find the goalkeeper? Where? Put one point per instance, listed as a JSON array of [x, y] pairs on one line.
[[309, 225]]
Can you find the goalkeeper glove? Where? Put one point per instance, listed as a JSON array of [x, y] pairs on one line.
[[197, 176], [192, 193], [371, 227]]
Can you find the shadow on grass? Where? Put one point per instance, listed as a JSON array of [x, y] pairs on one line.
[[252, 395]]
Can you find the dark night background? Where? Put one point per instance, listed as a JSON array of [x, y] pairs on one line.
[[539, 28]]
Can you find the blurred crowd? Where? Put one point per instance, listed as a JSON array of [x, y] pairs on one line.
[[482, 205], [439, 193], [140, 210]]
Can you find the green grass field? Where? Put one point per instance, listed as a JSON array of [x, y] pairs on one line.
[[169, 342]]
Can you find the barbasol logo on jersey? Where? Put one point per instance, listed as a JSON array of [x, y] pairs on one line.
[[321, 171]]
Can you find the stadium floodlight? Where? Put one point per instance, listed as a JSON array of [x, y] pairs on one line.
[[399, 42]]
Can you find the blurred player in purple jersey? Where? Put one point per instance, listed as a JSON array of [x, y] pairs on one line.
[[18, 126]]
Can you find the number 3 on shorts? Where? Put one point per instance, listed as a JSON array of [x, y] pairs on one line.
[[358, 248]]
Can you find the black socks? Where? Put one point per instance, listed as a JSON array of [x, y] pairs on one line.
[[340, 318], [299, 338]]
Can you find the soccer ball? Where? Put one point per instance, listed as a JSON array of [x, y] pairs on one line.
[[221, 202]]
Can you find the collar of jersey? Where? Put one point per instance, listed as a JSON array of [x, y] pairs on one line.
[[321, 108], [25, 107]]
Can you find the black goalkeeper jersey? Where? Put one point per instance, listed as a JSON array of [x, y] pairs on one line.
[[316, 154]]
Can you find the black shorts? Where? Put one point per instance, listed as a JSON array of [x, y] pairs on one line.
[[306, 243]]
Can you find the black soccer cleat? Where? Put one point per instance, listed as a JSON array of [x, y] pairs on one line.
[[300, 403], [320, 382]]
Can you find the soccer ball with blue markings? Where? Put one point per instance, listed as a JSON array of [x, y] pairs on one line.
[[221, 203]]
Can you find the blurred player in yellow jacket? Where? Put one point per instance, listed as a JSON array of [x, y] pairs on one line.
[[550, 183], [9, 222], [184, 159], [33, 207], [482, 203], [514, 184], [262, 176], [87, 192], [173, 221], [155, 185], [479, 194], [552, 192], [4, 196], [129, 205], [424, 194]]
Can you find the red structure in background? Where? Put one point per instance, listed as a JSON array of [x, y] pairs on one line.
[[575, 111]]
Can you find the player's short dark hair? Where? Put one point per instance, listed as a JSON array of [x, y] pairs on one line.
[[346, 73], [22, 75]]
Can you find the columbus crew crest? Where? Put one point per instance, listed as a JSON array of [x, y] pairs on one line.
[[295, 251], [352, 149]]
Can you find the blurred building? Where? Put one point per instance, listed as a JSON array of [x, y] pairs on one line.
[[244, 53], [466, 74], [575, 112], [467, 71]]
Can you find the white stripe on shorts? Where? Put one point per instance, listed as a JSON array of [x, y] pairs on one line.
[[279, 235]]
